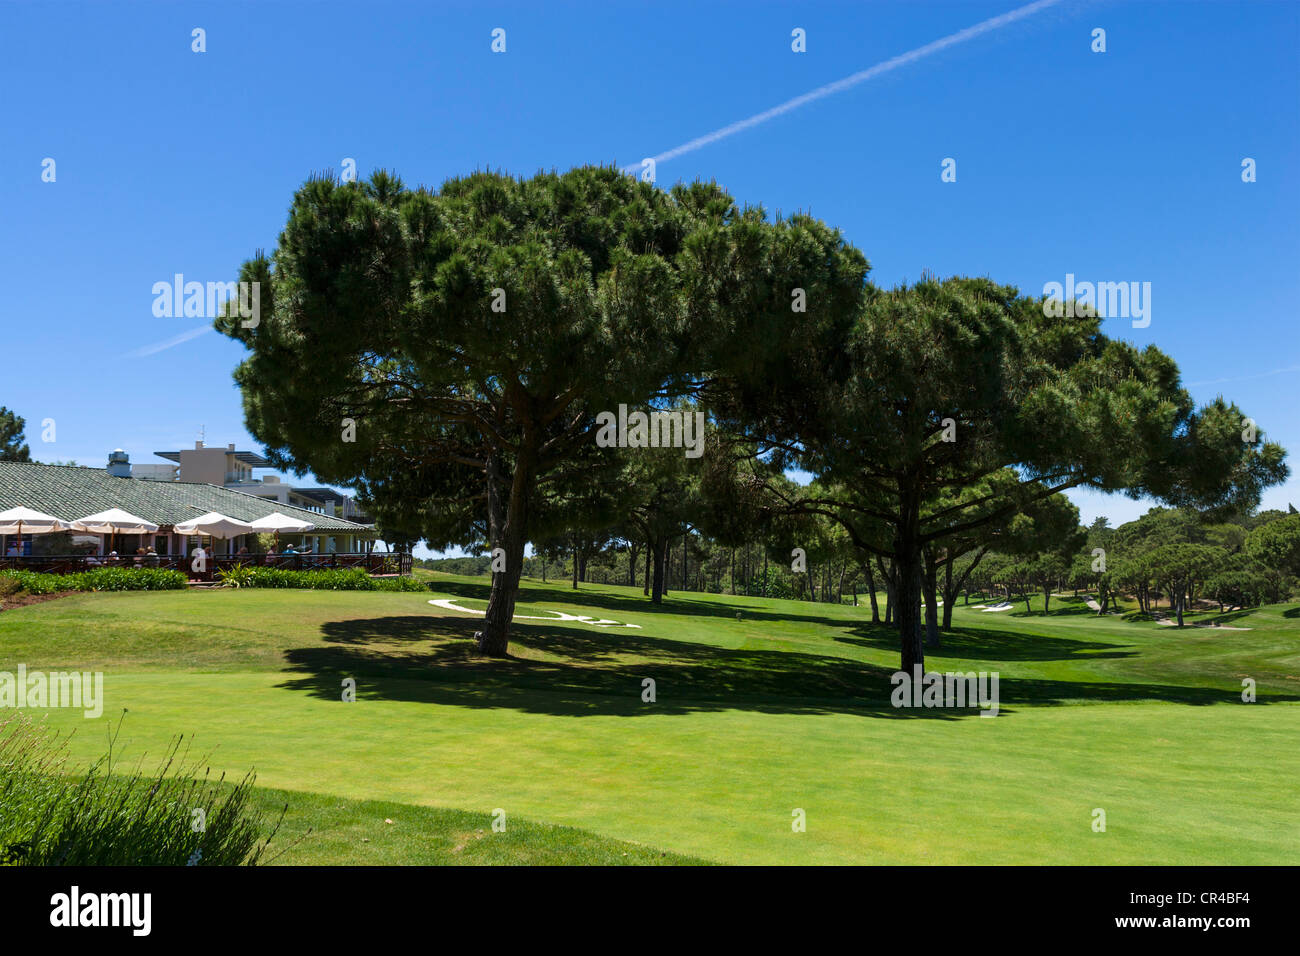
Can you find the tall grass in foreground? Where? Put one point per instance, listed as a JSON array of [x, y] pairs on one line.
[[52, 818]]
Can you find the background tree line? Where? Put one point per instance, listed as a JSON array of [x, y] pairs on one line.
[[1172, 556]]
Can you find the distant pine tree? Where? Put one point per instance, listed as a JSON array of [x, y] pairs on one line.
[[12, 445]]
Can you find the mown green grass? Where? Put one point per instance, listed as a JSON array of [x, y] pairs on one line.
[[323, 830], [785, 708]]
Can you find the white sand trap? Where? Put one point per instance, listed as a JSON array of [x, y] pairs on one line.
[[450, 605], [1004, 606], [1093, 604]]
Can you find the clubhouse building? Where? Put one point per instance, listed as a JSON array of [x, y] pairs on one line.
[[71, 492]]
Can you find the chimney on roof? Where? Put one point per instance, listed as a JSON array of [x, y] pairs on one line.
[[230, 447], [198, 445], [119, 463]]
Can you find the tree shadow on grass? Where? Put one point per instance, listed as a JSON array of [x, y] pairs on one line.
[[433, 660], [1139, 617], [980, 644], [1066, 608], [1226, 617], [1061, 608], [1191, 618]]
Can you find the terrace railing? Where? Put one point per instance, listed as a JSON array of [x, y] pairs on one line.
[[373, 562]]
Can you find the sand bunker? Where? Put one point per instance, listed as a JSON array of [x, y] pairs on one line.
[[450, 605]]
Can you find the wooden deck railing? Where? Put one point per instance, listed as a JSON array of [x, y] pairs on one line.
[[374, 562]]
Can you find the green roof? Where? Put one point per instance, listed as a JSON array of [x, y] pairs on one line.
[[71, 492]]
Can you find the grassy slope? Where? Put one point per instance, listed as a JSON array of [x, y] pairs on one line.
[[319, 829], [786, 708]]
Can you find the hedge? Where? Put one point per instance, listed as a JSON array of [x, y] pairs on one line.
[[98, 579], [349, 579], [160, 579]]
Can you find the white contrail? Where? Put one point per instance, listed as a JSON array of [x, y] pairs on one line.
[[870, 73], [175, 340], [1246, 378]]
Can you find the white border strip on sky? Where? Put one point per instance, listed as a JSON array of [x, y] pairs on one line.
[[903, 59]]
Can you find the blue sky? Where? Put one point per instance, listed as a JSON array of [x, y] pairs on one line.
[[1115, 166]]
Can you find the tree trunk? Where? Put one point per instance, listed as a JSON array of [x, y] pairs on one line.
[[508, 530], [907, 612], [907, 571], [871, 591], [949, 594], [888, 574], [931, 601], [631, 564], [649, 552], [686, 536], [657, 590]]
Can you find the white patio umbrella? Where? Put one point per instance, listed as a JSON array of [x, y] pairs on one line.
[[278, 522], [22, 521], [215, 525], [113, 522]]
